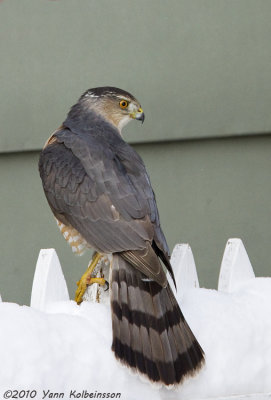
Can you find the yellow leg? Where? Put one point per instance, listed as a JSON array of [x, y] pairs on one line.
[[86, 279]]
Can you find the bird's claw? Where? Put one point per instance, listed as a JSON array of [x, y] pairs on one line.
[[86, 279], [83, 285], [100, 281]]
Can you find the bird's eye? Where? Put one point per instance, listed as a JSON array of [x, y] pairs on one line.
[[123, 104]]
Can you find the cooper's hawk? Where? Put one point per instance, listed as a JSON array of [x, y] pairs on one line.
[[100, 193]]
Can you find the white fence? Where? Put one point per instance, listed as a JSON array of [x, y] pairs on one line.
[[49, 284]]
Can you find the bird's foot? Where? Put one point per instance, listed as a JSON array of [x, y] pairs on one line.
[[100, 281], [87, 279]]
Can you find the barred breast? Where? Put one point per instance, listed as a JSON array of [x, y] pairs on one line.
[[73, 237]]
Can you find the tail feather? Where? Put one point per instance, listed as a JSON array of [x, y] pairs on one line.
[[150, 333]]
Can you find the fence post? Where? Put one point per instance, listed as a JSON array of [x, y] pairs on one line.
[[235, 267], [49, 284], [184, 267]]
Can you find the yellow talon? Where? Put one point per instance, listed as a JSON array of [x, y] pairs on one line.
[[86, 278], [101, 281]]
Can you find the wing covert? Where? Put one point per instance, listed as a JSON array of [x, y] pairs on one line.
[[102, 190]]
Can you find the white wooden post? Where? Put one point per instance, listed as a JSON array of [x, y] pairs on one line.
[[235, 267], [49, 284], [184, 267]]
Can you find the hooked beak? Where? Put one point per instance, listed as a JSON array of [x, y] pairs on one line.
[[139, 115]]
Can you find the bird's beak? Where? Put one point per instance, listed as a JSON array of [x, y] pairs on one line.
[[139, 115]]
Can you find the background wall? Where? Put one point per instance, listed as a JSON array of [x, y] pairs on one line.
[[201, 70]]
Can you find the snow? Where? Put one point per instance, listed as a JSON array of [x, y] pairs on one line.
[[57, 349], [67, 348]]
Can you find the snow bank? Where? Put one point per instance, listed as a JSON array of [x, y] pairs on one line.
[[67, 348], [63, 350]]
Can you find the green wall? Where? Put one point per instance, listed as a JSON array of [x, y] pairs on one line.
[[201, 69]]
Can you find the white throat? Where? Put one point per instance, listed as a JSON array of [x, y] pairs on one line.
[[123, 122]]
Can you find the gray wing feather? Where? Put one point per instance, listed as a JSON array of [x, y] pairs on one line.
[[104, 192]]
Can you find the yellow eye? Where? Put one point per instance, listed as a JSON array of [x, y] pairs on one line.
[[123, 104]]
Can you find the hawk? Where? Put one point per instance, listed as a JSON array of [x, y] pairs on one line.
[[100, 193]]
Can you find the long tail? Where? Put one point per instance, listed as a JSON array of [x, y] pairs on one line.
[[150, 334]]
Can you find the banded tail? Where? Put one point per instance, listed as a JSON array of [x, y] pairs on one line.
[[150, 334]]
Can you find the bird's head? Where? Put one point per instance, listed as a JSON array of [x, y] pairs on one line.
[[116, 105]]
